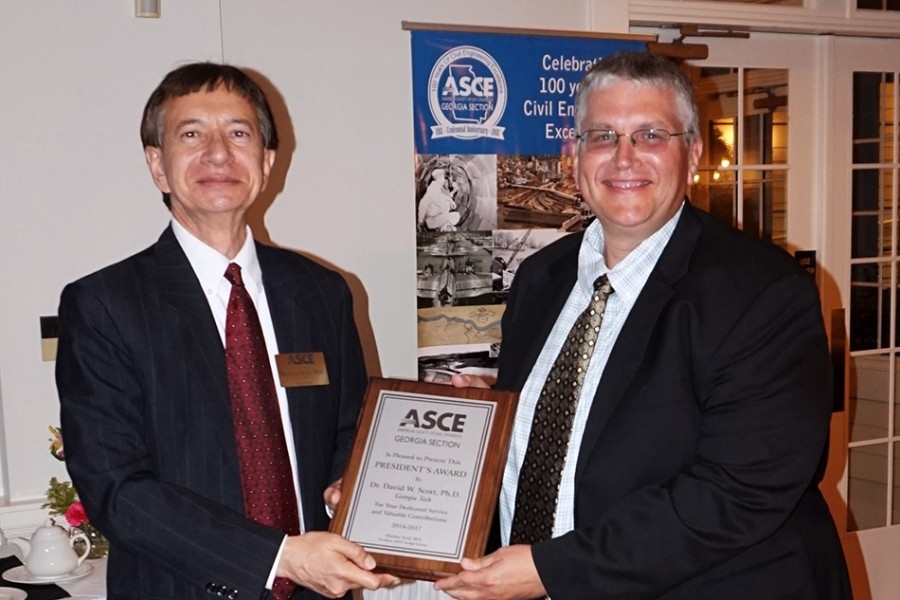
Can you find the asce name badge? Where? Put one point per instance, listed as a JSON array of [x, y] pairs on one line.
[[300, 369]]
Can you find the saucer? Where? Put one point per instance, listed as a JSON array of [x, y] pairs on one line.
[[12, 593], [20, 575]]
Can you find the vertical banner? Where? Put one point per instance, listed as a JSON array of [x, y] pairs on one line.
[[494, 140]]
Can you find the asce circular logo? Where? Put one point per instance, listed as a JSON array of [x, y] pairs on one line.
[[466, 95]]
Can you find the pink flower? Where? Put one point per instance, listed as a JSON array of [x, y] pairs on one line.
[[75, 514]]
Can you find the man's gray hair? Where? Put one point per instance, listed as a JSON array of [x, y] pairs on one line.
[[642, 68]]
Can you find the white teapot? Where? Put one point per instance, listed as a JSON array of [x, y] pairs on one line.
[[50, 552]]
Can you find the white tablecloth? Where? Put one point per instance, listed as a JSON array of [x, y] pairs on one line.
[[408, 590], [91, 587]]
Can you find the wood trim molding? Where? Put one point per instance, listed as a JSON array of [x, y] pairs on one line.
[[20, 520], [413, 26]]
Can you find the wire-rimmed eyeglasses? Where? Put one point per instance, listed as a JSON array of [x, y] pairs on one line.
[[605, 140]]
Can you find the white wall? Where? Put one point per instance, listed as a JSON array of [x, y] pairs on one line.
[[75, 194]]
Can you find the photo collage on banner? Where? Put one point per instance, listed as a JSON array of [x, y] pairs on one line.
[[494, 182]]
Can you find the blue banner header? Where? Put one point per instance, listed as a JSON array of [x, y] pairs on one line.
[[488, 93]]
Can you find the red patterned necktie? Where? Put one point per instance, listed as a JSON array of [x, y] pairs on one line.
[[266, 479], [538, 490]]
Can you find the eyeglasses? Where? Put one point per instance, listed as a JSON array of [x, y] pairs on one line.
[[605, 140]]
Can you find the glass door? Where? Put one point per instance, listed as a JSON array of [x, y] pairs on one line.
[[864, 166], [742, 179]]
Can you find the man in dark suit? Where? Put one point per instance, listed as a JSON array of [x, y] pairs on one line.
[[698, 434], [142, 376]]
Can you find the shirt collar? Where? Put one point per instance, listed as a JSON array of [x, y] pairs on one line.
[[209, 265], [629, 275]]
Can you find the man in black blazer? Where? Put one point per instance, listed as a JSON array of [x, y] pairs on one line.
[[700, 432], [141, 370]]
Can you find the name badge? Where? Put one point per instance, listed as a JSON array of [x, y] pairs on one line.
[[301, 369]]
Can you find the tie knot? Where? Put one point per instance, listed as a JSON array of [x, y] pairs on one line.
[[603, 285], [233, 274]]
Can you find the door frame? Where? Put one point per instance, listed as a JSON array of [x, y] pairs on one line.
[[872, 552]]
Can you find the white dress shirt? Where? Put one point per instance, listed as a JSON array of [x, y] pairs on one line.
[[627, 278], [209, 267]]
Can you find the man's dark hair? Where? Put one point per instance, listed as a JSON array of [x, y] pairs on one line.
[[204, 76]]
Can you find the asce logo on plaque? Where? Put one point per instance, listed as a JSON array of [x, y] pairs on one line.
[[448, 421]]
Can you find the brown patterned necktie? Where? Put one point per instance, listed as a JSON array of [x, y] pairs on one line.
[[539, 478], [266, 478]]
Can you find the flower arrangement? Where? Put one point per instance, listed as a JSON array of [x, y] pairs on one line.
[[62, 500]]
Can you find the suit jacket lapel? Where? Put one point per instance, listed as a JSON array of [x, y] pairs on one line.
[[627, 354], [191, 317], [288, 307], [292, 313], [553, 287]]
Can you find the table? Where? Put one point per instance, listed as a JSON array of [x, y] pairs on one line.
[[89, 587], [92, 587]]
